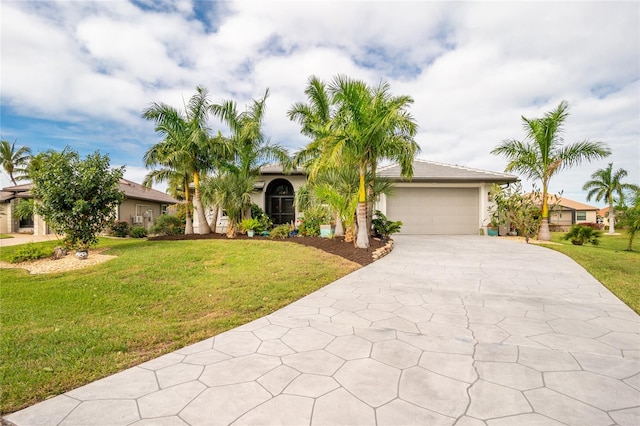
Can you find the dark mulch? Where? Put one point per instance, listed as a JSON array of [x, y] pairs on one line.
[[335, 245]]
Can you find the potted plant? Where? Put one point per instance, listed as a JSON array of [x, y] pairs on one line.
[[250, 225]]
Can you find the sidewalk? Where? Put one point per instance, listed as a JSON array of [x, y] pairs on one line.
[[26, 238]]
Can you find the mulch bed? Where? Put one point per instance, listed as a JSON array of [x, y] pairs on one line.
[[335, 245]]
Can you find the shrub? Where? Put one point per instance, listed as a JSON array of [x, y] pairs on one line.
[[384, 227], [281, 231], [263, 219], [250, 224], [580, 235], [138, 232], [121, 229], [313, 218], [169, 224], [30, 251], [592, 225]]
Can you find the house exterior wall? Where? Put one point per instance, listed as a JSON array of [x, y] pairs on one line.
[[139, 212], [566, 218], [258, 197]]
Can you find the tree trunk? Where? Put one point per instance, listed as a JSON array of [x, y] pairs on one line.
[[612, 225], [543, 233], [203, 226], [214, 219], [188, 227], [339, 232], [362, 239]]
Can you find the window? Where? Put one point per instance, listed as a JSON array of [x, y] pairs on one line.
[[163, 208], [581, 216]]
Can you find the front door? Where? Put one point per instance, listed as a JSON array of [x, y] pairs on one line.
[[279, 202]]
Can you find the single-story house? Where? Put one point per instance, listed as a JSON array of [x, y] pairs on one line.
[[439, 199], [564, 212], [140, 208], [603, 217]]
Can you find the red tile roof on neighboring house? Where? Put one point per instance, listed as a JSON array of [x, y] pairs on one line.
[[568, 204], [604, 212]]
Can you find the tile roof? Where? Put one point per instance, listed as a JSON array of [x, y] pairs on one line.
[[431, 171], [566, 203], [277, 169], [131, 190]]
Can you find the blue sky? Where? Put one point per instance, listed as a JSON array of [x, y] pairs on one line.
[[79, 74]]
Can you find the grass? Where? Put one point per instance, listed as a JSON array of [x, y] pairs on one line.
[[60, 331], [3, 236], [609, 262]]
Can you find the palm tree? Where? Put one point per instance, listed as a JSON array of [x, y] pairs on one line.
[[604, 184], [355, 126], [14, 161], [232, 192], [542, 154], [250, 148], [369, 125], [186, 147], [631, 218]]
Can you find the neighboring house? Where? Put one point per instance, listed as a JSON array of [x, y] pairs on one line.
[[564, 212], [603, 217], [440, 199], [140, 208]]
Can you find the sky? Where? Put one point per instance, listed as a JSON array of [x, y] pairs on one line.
[[79, 73]]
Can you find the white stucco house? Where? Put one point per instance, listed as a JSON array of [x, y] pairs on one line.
[[439, 199]]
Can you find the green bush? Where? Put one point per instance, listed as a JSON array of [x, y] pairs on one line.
[[384, 227], [313, 218], [250, 224], [580, 235], [261, 216], [30, 251], [121, 229], [280, 231], [138, 232], [169, 224]]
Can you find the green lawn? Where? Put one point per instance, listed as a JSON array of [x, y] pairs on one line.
[[5, 236], [609, 262], [60, 331]]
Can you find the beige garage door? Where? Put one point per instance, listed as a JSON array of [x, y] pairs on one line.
[[435, 211]]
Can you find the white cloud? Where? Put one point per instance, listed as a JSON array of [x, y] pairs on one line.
[[473, 68]]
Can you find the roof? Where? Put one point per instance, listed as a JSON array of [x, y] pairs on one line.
[[131, 190], [566, 203], [139, 192], [431, 171], [277, 169]]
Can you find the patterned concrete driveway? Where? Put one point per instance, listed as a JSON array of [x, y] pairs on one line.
[[443, 331]]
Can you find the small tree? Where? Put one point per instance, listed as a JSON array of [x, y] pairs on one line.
[[76, 197], [516, 208], [630, 217]]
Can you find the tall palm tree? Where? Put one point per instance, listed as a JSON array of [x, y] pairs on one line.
[[369, 125], [14, 161], [186, 144], [604, 184], [250, 148], [542, 154]]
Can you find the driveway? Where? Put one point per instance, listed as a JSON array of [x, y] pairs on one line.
[[445, 330]]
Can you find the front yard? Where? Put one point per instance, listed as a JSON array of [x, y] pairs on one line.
[[60, 331]]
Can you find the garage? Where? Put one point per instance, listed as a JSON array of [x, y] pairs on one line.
[[435, 211]]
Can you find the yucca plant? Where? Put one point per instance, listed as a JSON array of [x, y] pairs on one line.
[[580, 235]]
